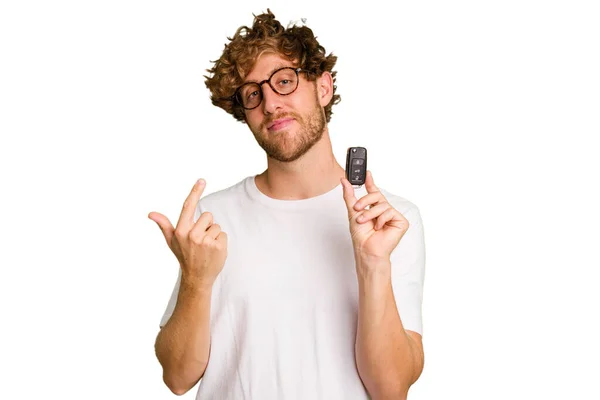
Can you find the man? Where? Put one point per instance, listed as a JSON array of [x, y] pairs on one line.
[[292, 284]]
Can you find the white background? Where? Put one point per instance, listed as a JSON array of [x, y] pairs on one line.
[[484, 114]]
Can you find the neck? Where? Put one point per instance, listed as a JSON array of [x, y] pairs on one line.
[[313, 174]]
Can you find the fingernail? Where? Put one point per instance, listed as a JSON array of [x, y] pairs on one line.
[[201, 181]]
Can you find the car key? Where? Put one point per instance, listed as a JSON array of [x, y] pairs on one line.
[[356, 165]]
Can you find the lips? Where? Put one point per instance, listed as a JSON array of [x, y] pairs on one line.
[[279, 124]]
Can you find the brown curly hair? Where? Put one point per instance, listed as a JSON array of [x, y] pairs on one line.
[[296, 43]]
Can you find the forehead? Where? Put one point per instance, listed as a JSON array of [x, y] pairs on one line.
[[265, 65]]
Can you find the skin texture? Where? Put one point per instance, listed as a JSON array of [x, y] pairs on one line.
[[300, 165], [282, 145], [302, 150], [183, 344], [388, 357]]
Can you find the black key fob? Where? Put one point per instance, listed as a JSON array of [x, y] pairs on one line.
[[356, 165]]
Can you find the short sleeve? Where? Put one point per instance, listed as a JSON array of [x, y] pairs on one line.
[[408, 272]]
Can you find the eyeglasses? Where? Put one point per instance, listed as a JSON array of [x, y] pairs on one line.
[[283, 81]]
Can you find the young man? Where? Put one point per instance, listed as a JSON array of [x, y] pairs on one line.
[[293, 285]]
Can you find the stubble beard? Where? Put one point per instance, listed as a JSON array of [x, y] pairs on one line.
[[285, 147]]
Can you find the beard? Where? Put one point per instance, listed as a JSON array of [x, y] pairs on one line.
[[285, 147]]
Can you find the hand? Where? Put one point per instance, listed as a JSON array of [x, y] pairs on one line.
[[201, 247], [377, 231]]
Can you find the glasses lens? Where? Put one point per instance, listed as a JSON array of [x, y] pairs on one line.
[[284, 81], [250, 95]]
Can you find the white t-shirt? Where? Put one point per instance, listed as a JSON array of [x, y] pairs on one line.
[[284, 307]]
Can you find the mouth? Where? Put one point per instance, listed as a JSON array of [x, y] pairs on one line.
[[279, 124]]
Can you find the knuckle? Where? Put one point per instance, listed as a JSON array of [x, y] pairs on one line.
[[196, 238]]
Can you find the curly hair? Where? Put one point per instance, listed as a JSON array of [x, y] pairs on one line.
[[296, 43]]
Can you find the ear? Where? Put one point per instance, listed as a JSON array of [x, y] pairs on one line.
[[325, 88]]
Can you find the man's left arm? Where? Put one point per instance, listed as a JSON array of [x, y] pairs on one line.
[[389, 358], [390, 264]]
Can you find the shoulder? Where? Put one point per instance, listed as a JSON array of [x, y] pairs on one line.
[[223, 201], [225, 196]]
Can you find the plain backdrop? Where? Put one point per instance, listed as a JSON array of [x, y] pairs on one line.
[[484, 114]]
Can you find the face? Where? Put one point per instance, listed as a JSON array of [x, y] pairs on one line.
[[286, 127]]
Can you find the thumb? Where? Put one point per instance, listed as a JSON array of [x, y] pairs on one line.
[[164, 224], [349, 196]]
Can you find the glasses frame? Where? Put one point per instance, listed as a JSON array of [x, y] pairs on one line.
[[260, 84]]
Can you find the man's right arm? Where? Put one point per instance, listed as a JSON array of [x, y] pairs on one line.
[[183, 344]]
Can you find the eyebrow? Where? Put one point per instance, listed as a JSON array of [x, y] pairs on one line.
[[277, 66]]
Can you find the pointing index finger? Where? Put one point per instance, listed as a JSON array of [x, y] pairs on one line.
[[189, 206]]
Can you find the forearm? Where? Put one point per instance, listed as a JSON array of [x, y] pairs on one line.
[[183, 344], [385, 355]]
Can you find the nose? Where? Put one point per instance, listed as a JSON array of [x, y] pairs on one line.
[[271, 101]]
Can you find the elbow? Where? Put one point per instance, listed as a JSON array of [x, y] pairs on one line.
[[387, 388], [179, 375], [176, 386], [180, 383], [177, 390]]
